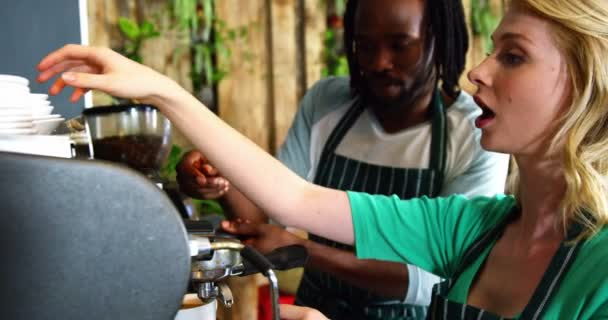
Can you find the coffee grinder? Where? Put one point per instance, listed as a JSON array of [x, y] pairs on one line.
[[136, 135]]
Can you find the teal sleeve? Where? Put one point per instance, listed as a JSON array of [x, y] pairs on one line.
[[432, 234]]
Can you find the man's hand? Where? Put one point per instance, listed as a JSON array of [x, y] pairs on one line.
[[262, 237], [199, 179]]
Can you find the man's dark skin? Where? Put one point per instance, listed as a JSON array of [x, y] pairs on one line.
[[397, 69]]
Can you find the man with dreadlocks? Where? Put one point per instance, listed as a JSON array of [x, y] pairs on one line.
[[399, 125]]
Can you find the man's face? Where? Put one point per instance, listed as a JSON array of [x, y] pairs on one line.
[[390, 51]]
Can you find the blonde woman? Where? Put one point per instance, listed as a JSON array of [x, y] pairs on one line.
[[543, 92]]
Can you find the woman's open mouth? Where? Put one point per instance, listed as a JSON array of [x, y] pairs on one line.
[[487, 115]]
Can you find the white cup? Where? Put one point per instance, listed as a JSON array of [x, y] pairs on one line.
[[12, 132], [15, 112], [9, 89], [39, 96], [194, 309], [42, 111]]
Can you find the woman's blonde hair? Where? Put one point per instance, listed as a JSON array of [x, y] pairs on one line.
[[580, 29]]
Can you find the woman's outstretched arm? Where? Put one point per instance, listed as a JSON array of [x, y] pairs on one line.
[[275, 189]]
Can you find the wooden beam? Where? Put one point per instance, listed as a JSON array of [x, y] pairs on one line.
[[284, 67], [315, 17], [244, 98]]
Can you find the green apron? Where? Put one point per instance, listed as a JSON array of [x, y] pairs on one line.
[[338, 299], [442, 308]]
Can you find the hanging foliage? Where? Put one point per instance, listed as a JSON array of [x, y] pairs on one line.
[[209, 37], [334, 57], [483, 22]]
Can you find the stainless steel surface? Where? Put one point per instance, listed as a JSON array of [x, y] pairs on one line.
[[213, 261], [208, 291], [218, 267], [129, 122], [145, 128], [274, 294], [225, 294], [224, 244], [200, 247]]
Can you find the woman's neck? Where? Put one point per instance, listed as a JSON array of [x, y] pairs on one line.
[[541, 188]]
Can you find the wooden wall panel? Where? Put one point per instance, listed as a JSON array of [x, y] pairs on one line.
[[103, 18], [244, 99], [315, 13], [284, 68]]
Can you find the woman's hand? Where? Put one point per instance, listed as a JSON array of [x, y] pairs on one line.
[[290, 312], [199, 179], [87, 68]]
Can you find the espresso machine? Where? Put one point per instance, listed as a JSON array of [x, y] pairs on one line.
[[139, 137]]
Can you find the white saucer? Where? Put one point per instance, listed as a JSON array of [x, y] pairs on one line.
[[18, 131], [14, 79]]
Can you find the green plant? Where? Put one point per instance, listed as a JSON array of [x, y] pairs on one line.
[[483, 22], [135, 34], [334, 57], [209, 37]]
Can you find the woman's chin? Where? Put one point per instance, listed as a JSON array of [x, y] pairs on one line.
[[489, 144]]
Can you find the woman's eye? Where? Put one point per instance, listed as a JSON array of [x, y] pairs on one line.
[[511, 59]]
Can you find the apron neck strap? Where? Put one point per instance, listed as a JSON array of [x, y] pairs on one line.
[[557, 269], [439, 138], [438, 130]]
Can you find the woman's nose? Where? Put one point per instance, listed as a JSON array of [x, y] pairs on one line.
[[479, 75]]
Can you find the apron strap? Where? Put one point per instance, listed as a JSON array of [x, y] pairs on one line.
[[482, 243], [336, 136], [439, 139], [558, 268]]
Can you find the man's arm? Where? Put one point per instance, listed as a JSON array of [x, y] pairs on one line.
[[237, 206], [387, 279], [383, 278]]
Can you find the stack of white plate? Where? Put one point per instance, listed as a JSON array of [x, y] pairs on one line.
[[23, 112]]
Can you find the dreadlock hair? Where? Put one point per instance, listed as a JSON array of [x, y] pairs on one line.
[[445, 26]]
